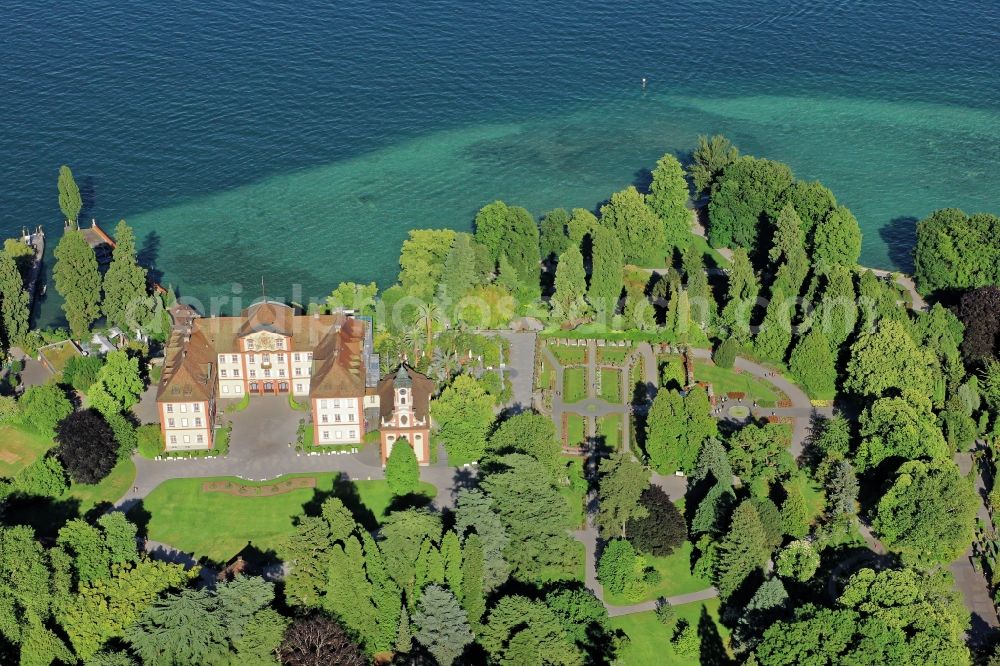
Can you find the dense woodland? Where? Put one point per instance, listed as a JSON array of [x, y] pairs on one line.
[[496, 580]]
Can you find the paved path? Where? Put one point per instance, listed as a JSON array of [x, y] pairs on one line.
[[917, 302], [519, 368], [968, 579]]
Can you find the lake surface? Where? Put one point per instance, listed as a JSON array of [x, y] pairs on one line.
[[299, 141]]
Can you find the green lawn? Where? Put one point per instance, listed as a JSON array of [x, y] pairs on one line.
[[545, 375], [568, 355], [610, 427], [19, 448], [613, 355], [813, 494], [712, 255], [611, 386], [574, 429], [650, 640], [576, 492], [677, 577], [218, 525], [575, 384], [728, 381], [111, 489]]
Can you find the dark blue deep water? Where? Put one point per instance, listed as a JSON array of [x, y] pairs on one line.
[[301, 140]]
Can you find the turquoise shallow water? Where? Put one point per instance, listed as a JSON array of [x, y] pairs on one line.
[[300, 141]]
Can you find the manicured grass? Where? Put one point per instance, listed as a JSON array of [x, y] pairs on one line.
[[611, 386], [650, 640], [19, 448], [613, 355], [575, 384], [568, 355], [728, 381], [712, 255], [546, 375], [574, 429], [218, 525], [576, 492], [677, 577], [110, 489], [813, 494], [610, 427]]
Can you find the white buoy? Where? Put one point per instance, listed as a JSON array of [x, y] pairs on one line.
[[644, 83]]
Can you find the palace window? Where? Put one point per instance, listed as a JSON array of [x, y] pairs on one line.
[[336, 404], [170, 423], [249, 344], [297, 356], [237, 389], [187, 439], [340, 434], [324, 418], [236, 373], [322, 404], [281, 372], [253, 386], [201, 439], [184, 423], [225, 389], [281, 358], [223, 372], [253, 358], [222, 358], [170, 409], [184, 408], [326, 434], [354, 433], [197, 408], [309, 356], [267, 373], [281, 345], [298, 388], [403, 420], [234, 358], [253, 374], [197, 422], [265, 358], [336, 417], [173, 439], [298, 372]]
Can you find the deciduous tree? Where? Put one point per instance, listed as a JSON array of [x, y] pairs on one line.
[[837, 239], [14, 311], [463, 414], [710, 159], [662, 530], [749, 192], [43, 406], [640, 231], [928, 514], [86, 446], [317, 640], [813, 364]]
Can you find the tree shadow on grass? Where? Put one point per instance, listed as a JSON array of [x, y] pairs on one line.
[[347, 492], [713, 650], [409, 501], [44, 514], [139, 515]]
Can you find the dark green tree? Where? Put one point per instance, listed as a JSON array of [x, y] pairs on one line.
[[607, 272], [70, 202], [14, 310], [743, 550], [640, 231], [463, 414], [668, 197], [441, 626], [571, 282], [78, 282], [510, 230], [401, 471], [812, 201], [813, 364], [623, 481], [553, 239], [742, 295], [662, 530], [459, 269], [473, 584], [710, 159], [956, 251], [837, 239], [749, 193], [127, 303]]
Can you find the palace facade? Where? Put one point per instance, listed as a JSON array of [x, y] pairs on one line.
[[326, 360]]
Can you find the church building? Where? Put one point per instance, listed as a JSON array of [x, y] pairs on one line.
[[404, 406]]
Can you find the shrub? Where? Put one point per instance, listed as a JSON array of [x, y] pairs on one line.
[[150, 440], [685, 641], [43, 478], [725, 354], [665, 613], [401, 471], [799, 561], [81, 372]]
